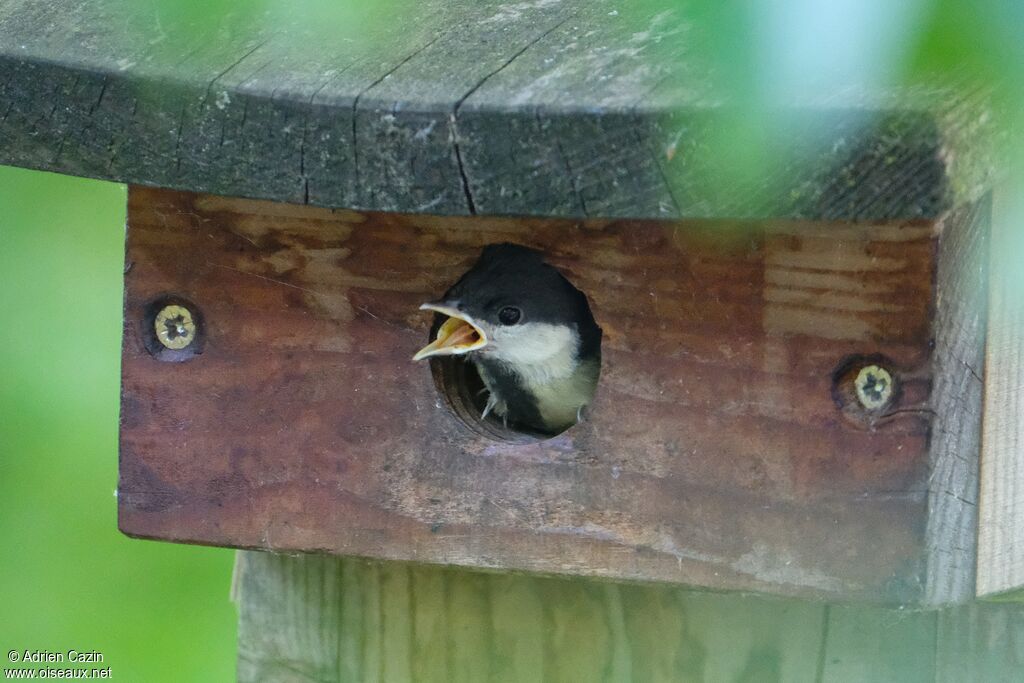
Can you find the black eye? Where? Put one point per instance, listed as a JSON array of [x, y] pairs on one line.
[[509, 315]]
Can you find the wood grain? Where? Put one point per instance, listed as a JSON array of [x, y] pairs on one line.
[[715, 454], [297, 611], [980, 642], [494, 627], [1001, 522], [954, 449], [467, 107]]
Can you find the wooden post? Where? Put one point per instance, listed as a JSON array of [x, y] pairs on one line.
[[396, 621], [1001, 525], [955, 440], [313, 618]]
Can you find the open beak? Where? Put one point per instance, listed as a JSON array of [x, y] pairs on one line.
[[457, 335]]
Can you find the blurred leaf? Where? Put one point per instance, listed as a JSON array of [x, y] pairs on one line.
[[68, 578]]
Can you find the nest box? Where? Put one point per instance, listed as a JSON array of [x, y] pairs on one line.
[[791, 392]]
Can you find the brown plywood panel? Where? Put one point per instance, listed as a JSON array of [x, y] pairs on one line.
[[715, 453]]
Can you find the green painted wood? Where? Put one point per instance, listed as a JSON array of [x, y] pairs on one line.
[[568, 108], [731, 637], [870, 644], [318, 618], [981, 642], [395, 621], [321, 618], [1008, 596]]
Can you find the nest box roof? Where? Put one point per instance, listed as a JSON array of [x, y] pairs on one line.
[[547, 107]]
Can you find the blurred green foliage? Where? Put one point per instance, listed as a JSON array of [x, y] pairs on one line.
[[179, 31], [68, 578]]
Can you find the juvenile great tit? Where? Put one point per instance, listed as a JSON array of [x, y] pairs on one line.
[[529, 333]]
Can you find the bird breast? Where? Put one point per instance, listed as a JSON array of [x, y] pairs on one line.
[[543, 357], [539, 353], [559, 402]]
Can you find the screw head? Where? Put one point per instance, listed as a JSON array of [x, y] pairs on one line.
[[172, 329], [174, 326], [874, 387]]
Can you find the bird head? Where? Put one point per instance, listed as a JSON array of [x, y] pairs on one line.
[[512, 307]]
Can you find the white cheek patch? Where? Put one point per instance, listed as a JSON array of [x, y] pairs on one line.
[[540, 352]]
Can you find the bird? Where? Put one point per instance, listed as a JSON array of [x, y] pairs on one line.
[[528, 332]]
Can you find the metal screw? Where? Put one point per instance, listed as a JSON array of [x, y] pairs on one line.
[[175, 326], [874, 387]]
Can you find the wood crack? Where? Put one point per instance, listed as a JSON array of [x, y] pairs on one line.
[[177, 140], [305, 128], [99, 100], [355, 111], [454, 117], [206, 98], [637, 119], [466, 187], [572, 177]]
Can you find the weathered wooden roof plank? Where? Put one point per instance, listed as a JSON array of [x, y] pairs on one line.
[[560, 107]]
